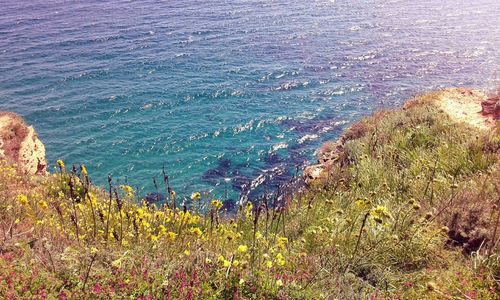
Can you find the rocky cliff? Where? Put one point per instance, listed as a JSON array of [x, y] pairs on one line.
[[19, 144]]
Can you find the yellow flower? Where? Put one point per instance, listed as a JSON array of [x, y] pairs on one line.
[[216, 203], [42, 204], [22, 199], [279, 259], [236, 263], [93, 250], [242, 248], [60, 163], [226, 263], [186, 252], [269, 264], [196, 231], [153, 238], [161, 230], [129, 191], [258, 235], [171, 236], [248, 209], [221, 258], [195, 196], [84, 171], [92, 199], [17, 221], [140, 213], [282, 242], [242, 281]]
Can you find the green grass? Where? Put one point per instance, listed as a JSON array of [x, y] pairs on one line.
[[409, 210]]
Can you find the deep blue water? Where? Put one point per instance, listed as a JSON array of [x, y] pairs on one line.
[[226, 89]]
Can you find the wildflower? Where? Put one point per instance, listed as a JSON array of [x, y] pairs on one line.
[[362, 203], [171, 236], [186, 252], [92, 199], [22, 199], [236, 263], [282, 242], [242, 281], [93, 250], [216, 203], [195, 196], [279, 283], [139, 213], [196, 231], [226, 263], [60, 163], [42, 204], [248, 209], [17, 221], [269, 264], [194, 220], [153, 238], [84, 171], [242, 248], [221, 258], [279, 259], [161, 230], [258, 235], [129, 191]]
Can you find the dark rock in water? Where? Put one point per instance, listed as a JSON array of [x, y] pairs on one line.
[[272, 159], [239, 182], [224, 164], [155, 197], [229, 204], [213, 176]]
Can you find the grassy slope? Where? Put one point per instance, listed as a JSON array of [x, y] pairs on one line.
[[409, 210]]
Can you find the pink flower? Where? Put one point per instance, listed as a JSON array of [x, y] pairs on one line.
[[97, 289]]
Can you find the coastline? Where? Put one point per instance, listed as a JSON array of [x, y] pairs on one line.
[[405, 206]]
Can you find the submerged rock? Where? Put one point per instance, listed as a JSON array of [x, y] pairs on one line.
[[19, 144]]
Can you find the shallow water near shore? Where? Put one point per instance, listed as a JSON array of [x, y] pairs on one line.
[[231, 93]]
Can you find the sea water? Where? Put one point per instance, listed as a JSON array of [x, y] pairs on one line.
[[226, 94]]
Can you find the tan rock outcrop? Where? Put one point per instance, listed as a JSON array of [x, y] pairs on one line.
[[19, 144]]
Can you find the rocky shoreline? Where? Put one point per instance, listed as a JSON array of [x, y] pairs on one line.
[[461, 104], [20, 144]]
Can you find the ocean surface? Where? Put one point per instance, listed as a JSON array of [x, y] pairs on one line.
[[226, 94]]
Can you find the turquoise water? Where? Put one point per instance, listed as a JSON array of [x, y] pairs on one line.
[[243, 90]]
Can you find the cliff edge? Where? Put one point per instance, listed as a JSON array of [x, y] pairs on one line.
[[462, 105], [19, 144]]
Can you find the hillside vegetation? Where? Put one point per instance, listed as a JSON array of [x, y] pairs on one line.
[[409, 210]]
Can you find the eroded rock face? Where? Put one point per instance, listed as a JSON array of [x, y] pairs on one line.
[[19, 144], [491, 107]]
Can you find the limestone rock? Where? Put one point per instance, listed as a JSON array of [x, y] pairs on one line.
[[19, 144]]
